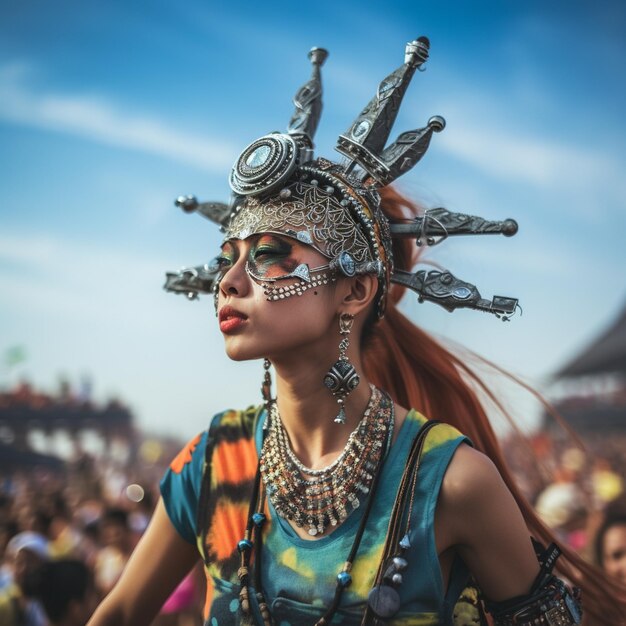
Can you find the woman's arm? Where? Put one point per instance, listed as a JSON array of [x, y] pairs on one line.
[[160, 561], [479, 518]]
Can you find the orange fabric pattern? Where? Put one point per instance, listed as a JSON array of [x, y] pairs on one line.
[[234, 462], [227, 527], [184, 456], [208, 600]]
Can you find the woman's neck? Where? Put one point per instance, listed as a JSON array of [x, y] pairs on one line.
[[308, 409]]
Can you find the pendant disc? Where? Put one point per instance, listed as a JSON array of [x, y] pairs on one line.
[[384, 601]]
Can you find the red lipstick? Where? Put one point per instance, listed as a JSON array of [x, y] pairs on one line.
[[230, 319]]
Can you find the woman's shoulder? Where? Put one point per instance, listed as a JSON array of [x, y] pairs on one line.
[[233, 422], [229, 440], [441, 436], [469, 473], [470, 487], [467, 470], [228, 425], [440, 445]]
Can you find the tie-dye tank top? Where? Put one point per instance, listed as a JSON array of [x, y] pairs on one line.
[[207, 491]]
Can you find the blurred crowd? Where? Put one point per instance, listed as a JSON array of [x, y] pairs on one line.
[[577, 484], [24, 395], [66, 531]]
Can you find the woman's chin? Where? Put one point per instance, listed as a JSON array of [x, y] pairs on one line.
[[241, 353]]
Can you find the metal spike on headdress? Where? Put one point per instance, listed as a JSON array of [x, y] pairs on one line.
[[308, 101], [439, 224], [451, 293], [269, 162], [277, 186], [217, 212], [192, 281], [364, 142]]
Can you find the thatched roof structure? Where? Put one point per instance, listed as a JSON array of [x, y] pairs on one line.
[[605, 355]]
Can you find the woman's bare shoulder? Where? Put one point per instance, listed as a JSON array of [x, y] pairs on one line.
[[472, 496], [479, 517], [471, 476]]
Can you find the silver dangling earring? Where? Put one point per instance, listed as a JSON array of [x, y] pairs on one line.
[[266, 392], [341, 379], [266, 385]]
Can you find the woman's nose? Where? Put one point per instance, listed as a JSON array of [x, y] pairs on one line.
[[235, 281]]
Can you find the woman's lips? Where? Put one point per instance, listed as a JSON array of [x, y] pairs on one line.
[[231, 324], [230, 319]]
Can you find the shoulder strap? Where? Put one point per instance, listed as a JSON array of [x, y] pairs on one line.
[[399, 511], [405, 492]]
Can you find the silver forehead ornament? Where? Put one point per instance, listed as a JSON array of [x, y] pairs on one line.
[[279, 186]]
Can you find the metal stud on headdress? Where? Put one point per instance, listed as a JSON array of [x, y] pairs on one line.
[[278, 186]]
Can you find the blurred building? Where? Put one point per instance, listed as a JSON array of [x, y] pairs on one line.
[[591, 388], [25, 412]]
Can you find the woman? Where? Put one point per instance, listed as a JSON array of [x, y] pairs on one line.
[[334, 502], [610, 543]]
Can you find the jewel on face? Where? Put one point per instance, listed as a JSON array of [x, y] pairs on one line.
[[278, 264], [270, 257]]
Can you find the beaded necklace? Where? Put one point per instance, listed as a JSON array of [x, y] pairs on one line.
[[319, 498], [382, 406]]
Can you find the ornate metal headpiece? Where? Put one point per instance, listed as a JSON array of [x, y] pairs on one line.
[[278, 186]]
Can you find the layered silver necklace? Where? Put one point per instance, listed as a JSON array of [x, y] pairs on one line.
[[319, 498]]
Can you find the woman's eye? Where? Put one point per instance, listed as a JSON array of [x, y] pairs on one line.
[[221, 262], [268, 252]]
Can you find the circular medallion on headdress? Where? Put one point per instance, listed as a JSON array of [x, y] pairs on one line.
[[264, 165], [346, 264]]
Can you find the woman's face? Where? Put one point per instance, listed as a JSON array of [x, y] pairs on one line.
[[254, 327], [614, 551]]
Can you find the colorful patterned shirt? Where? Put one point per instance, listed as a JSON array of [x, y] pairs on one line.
[[298, 575]]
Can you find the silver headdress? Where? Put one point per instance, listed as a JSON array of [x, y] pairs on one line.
[[278, 186]]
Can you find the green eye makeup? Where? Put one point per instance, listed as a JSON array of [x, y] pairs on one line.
[[270, 259]]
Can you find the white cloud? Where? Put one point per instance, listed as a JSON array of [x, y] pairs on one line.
[[77, 280], [99, 119], [534, 160]]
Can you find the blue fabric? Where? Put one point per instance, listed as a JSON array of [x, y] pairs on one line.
[[181, 489], [299, 576]]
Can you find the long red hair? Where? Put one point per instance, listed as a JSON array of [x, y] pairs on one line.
[[421, 373]]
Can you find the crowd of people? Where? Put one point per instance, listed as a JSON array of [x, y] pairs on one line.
[[578, 487], [67, 529], [25, 395], [67, 532], [64, 546]]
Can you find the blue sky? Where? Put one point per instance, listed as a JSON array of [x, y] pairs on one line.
[[108, 111]]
